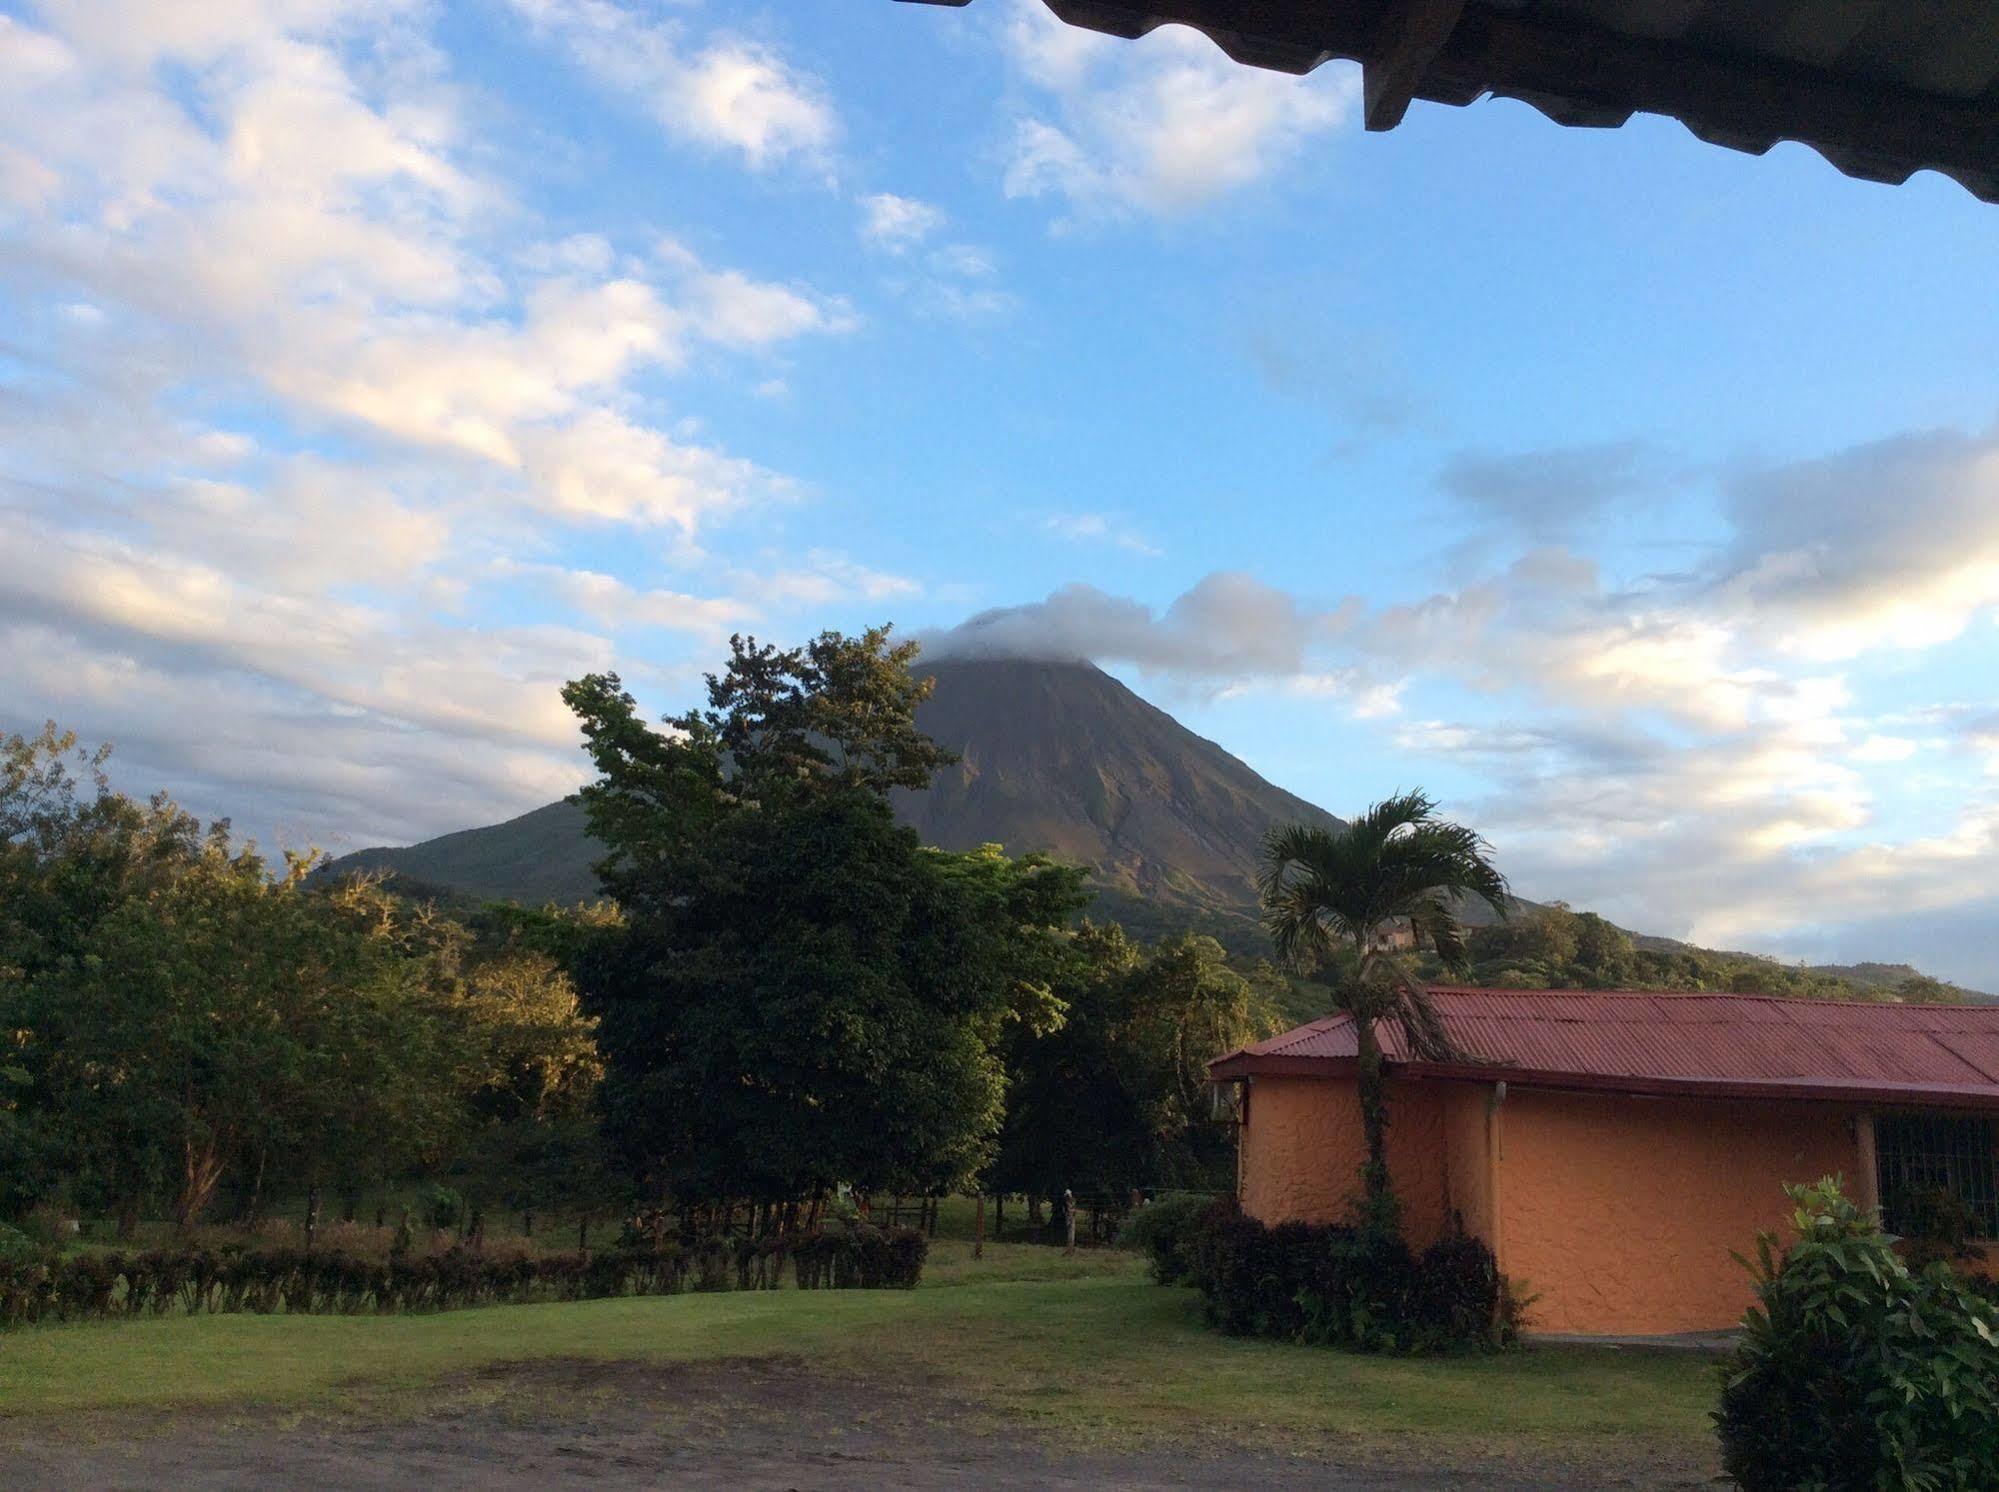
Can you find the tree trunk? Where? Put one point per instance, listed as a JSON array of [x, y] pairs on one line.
[[201, 1169], [255, 1211], [1381, 1210]]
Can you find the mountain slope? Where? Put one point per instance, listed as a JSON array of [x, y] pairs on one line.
[[1061, 757], [541, 856], [1058, 757]]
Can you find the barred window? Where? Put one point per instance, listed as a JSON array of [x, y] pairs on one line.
[[1920, 1155]]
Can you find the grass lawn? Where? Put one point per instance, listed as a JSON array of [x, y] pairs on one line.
[[1085, 1347]]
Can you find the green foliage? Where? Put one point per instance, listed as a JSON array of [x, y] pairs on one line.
[[1360, 1289], [1854, 1372], [17, 1248], [837, 716], [440, 1207], [1163, 1231], [1116, 1097], [825, 1005], [1553, 947], [175, 1019], [802, 995]]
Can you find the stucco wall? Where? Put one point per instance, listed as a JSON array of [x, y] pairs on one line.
[[1302, 1149], [1620, 1212], [1467, 1160]]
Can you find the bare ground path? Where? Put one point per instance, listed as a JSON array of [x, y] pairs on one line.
[[764, 1423]]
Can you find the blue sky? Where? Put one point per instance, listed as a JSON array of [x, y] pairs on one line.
[[368, 369]]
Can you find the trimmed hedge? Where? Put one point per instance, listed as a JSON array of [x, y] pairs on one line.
[[1336, 1285], [44, 1286]]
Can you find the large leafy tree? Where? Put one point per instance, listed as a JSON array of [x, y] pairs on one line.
[[229, 1020], [1351, 900], [803, 994], [71, 854], [1117, 1096], [175, 1018], [782, 727]]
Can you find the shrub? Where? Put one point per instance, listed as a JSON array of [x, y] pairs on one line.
[[854, 1255], [37, 1284], [1356, 1288], [46, 1225], [439, 1206], [1853, 1371], [16, 1246], [1162, 1231]]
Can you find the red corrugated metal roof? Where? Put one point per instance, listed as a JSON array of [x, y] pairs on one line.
[[1729, 1045]]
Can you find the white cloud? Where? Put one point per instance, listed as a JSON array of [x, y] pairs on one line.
[[1690, 753], [944, 281], [612, 603], [1225, 628], [1884, 749], [824, 578], [262, 493], [1163, 124], [603, 468], [897, 224], [724, 92], [1893, 544], [963, 260], [1100, 528], [741, 312], [1697, 762]]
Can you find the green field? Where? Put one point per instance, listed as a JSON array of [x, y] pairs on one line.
[[1086, 1348]]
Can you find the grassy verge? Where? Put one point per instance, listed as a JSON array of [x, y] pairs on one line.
[[1083, 1347]]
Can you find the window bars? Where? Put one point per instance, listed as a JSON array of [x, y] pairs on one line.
[[1920, 1155]]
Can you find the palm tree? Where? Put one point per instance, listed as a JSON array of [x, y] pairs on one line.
[[1344, 896]]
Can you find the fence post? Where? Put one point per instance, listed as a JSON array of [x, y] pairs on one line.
[[1069, 1219], [311, 1215]]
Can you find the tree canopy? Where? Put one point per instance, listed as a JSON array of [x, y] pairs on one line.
[[804, 995], [176, 1015], [1117, 1096]]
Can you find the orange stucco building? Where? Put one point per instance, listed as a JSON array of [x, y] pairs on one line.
[[1613, 1149]]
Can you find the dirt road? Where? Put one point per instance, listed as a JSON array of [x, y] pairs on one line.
[[740, 1426]]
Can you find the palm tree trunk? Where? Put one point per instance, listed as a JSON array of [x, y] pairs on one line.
[[1380, 1211]]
